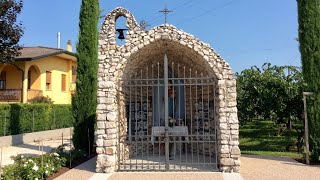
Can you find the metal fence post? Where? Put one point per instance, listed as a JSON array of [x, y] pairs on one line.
[[70, 163], [54, 120], [89, 142], [0, 162], [42, 156], [5, 124], [166, 111], [39, 146], [33, 120]]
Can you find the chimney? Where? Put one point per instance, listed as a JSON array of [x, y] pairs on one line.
[[69, 46], [59, 38]]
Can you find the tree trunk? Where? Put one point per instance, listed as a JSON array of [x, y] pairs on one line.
[[289, 124]]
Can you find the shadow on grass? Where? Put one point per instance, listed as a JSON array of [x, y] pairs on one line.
[[283, 160], [300, 164], [266, 144], [275, 158], [262, 136]]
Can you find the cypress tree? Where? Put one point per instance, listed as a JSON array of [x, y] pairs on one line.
[[309, 39], [84, 102]]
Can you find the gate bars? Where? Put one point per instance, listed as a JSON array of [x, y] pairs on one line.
[[167, 120]]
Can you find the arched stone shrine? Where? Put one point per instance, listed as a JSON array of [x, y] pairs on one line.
[[166, 102]]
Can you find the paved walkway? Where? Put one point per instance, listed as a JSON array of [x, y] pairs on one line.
[[83, 171], [252, 168], [29, 149], [274, 168], [86, 171]]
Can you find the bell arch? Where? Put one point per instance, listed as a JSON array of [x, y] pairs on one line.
[[108, 28], [143, 48]]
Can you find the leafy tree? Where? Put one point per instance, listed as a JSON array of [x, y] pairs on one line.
[[309, 39], [10, 30], [84, 102], [270, 93]]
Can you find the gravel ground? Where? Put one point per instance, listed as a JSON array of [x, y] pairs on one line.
[[274, 168]]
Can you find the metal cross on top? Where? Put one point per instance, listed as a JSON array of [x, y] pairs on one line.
[[165, 11]]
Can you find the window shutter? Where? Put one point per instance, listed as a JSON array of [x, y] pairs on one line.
[[63, 82], [74, 71], [48, 77]]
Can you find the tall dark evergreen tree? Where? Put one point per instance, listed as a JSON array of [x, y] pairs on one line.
[[84, 103], [309, 39], [10, 30]]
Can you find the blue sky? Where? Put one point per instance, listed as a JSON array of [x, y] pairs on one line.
[[243, 32]]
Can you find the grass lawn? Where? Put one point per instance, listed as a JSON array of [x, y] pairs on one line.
[[293, 155], [261, 138]]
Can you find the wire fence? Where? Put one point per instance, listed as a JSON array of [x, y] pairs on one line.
[[15, 122]]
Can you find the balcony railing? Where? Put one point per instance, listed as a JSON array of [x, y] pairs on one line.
[[14, 95], [8, 95], [32, 93]]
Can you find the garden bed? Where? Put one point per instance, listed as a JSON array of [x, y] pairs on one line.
[[75, 163], [46, 166]]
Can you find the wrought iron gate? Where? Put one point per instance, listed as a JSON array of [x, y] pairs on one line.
[[167, 121]]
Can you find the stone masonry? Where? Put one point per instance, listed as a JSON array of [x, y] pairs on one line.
[[119, 62]]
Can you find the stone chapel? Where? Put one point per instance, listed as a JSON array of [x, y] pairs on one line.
[[166, 101]]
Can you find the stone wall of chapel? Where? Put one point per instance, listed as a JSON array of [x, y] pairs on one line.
[[120, 62]]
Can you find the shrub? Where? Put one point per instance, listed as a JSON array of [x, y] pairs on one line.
[[62, 114], [5, 119], [34, 167], [26, 118], [41, 99], [75, 153]]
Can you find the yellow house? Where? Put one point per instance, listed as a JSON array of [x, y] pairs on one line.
[[39, 71]]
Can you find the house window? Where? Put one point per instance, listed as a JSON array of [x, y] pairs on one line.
[[48, 80], [74, 72], [63, 82], [3, 77]]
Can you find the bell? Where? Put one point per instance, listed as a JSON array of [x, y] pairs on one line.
[[121, 35]]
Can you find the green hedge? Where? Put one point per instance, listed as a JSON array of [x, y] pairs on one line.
[[26, 118]]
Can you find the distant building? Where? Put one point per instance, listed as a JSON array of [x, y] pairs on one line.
[[39, 71]]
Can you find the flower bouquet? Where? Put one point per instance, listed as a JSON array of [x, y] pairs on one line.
[[172, 122]]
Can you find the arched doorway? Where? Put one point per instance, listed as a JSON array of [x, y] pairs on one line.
[[169, 118], [10, 84], [34, 83]]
